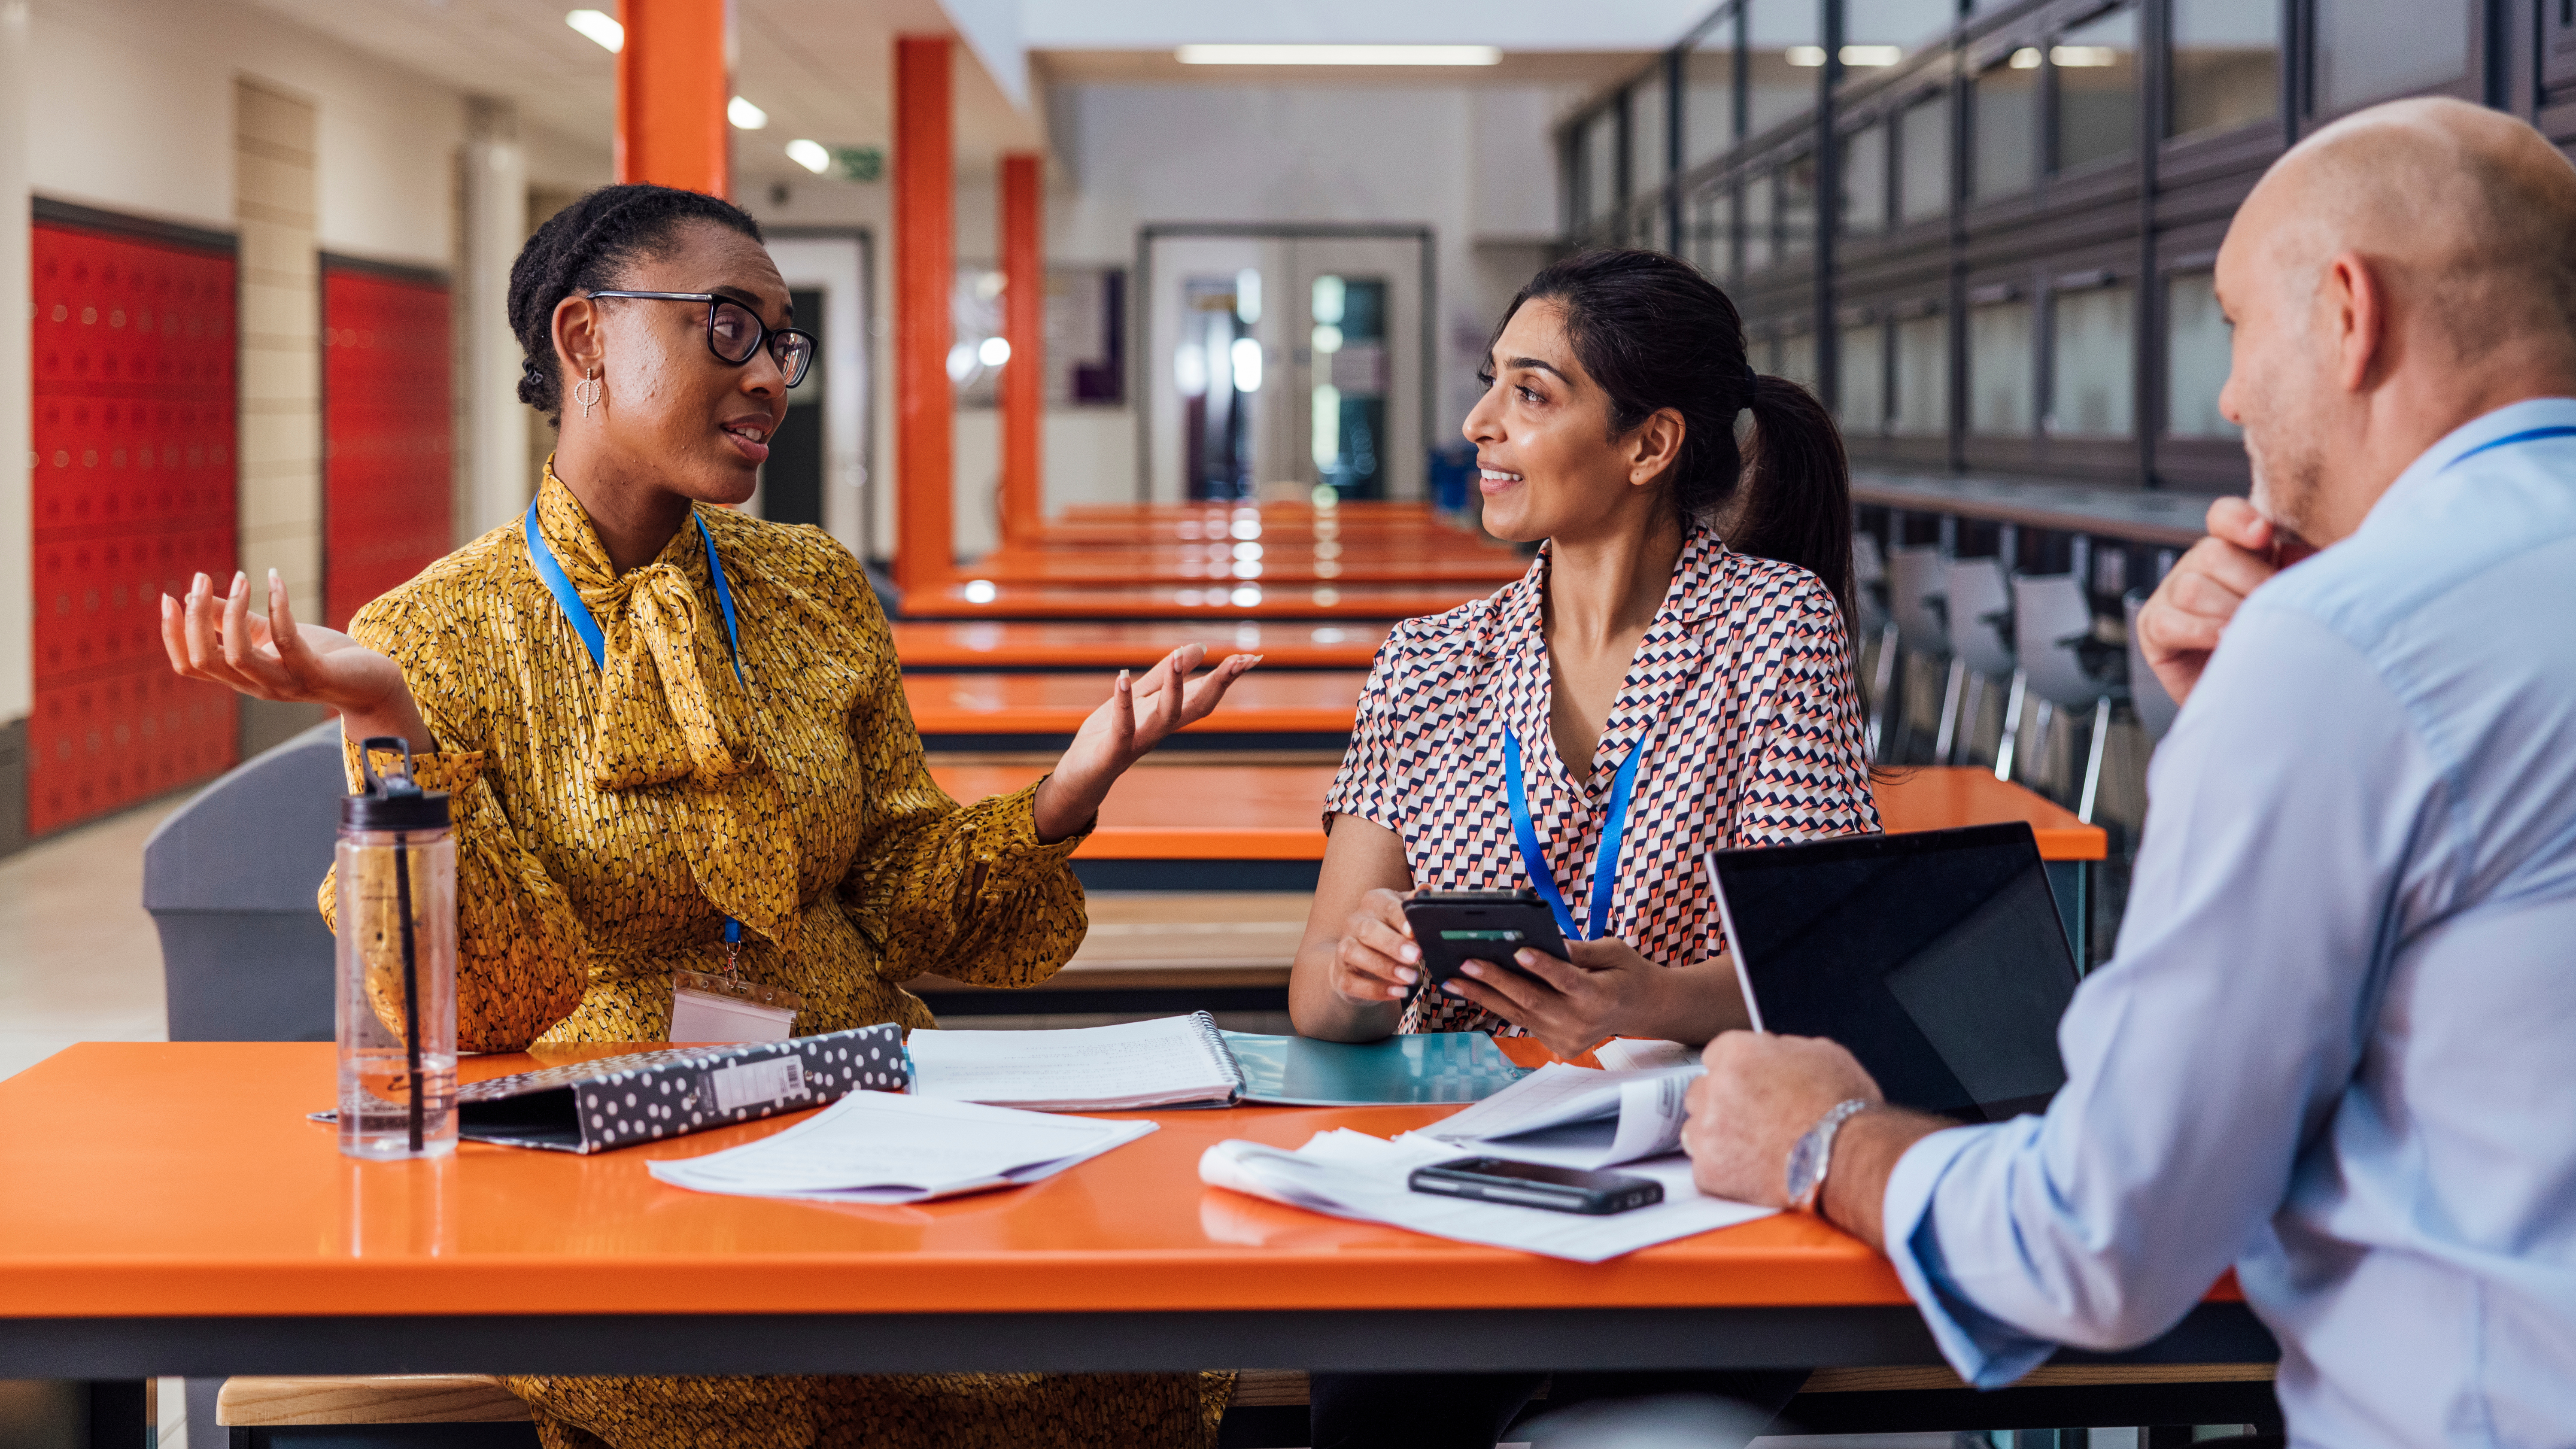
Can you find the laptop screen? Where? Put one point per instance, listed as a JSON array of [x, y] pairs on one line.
[[1937, 958]]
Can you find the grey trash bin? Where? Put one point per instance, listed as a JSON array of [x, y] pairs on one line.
[[229, 879]]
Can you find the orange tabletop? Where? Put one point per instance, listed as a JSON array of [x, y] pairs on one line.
[[1183, 811], [176, 1179], [1428, 561], [978, 598], [1940, 797], [1314, 702], [1072, 645]]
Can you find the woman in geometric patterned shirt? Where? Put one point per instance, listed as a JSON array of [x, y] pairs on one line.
[[1686, 604], [1685, 610], [616, 808]]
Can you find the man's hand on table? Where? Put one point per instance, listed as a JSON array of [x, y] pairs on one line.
[[1762, 1093]]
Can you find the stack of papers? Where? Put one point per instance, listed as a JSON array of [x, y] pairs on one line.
[[875, 1147], [1353, 1175], [1172, 1062], [1569, 1116], [1185, 1061]]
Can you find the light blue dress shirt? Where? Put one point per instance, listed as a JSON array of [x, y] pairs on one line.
[[2336, 1047]]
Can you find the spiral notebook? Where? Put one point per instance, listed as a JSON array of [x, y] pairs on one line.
[[1188, 1061]]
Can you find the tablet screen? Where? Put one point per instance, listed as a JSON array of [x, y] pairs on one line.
[[1938, 958]]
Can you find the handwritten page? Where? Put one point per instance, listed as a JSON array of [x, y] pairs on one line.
[[1569, 1116], [1353, 1175], [1174, 1061], [884, 1148]]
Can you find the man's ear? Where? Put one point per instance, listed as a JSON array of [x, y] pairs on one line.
[[1654, 447], [2357, 311]]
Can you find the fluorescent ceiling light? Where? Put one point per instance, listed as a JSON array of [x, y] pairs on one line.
[[1862, 56], [809, 154], [2084, 55], [744, 115], [600, 26], [1338, 55], [2026, 58]]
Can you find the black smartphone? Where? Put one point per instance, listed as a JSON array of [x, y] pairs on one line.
[[1456, 927], [1531, 1184]]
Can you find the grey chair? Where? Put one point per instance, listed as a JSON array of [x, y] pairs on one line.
[[1979, 605], [1920, 635], [229, 879]]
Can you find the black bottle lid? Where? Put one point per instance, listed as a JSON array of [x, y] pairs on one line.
[[391, 802]]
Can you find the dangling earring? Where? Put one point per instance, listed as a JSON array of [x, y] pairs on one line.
[[586, 391]]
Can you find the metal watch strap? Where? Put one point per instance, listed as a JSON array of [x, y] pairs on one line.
[[1816, 1148]]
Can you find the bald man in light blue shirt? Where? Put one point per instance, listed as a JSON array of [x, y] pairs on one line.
[[2336, 1047]]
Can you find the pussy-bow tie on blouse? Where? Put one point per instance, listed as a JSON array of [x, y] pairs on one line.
[[670, 711]]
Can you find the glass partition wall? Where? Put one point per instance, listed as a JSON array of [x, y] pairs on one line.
[[1983, 230]]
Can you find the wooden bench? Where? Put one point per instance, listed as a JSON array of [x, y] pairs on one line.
[[1179, 825], [1268, 1410], [1450, 561], [1095, 648], [975, 597], [1308, 710]]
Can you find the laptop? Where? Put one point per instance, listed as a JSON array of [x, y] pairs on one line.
[[1936, 957]]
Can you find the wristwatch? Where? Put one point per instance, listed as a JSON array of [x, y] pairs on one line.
[[1813, 1154]]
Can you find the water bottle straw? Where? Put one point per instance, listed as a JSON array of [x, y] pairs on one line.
[[411, 982]]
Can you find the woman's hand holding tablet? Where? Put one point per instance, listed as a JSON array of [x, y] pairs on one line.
[[1605, 990]]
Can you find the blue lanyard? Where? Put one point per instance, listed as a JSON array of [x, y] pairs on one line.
[[1605, 863], [2528, 435], [587, 626], [558, 584]]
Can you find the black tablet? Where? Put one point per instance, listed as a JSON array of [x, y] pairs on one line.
[[1937, 957], [1456, 927]]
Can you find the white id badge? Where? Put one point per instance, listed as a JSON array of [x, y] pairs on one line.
[[707, 1008]]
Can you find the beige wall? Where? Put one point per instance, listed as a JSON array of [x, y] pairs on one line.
[[280, 428]]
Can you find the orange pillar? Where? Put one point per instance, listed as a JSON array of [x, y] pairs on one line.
[[1024, 328], [672, 87], [925, 272]]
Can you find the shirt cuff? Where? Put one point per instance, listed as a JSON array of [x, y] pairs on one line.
[[1009, 836], [1986, 1352]]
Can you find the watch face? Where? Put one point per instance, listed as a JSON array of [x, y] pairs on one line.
[[1806, 1166]]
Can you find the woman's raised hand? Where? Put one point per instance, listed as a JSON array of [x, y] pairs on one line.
[[1138, 715], [273, 657]]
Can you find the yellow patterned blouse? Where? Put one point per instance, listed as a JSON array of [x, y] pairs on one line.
[[608, 820]]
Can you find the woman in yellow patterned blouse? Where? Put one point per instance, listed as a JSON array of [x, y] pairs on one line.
[[613, 816]]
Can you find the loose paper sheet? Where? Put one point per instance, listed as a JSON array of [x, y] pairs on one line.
[[1569, 1116], [1353, 1175], [883, 1148]]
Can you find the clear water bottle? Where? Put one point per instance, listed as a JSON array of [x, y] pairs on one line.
[[397, 980]]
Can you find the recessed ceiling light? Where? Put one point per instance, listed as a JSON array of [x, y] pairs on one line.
[[744, 115], [1338, 55], [812, 155], [600, 26]]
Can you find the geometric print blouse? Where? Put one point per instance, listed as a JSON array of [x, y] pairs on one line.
[[1740, 694]]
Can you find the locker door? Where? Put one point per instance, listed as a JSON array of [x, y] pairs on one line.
[[132, 493]]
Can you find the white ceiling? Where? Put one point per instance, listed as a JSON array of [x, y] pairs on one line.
[[1514, 25], [820, 68]]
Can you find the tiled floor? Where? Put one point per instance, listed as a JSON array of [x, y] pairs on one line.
[[80, 960]]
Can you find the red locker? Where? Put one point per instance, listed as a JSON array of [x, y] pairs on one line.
[[132, 493], [386, 432]]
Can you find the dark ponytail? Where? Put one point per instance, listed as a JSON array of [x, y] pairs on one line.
[[1656, 334], [584, 248]]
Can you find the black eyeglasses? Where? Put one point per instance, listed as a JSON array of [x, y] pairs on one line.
[[734, 334]]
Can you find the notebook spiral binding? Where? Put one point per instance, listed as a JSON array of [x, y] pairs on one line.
[[1212, 1037]]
